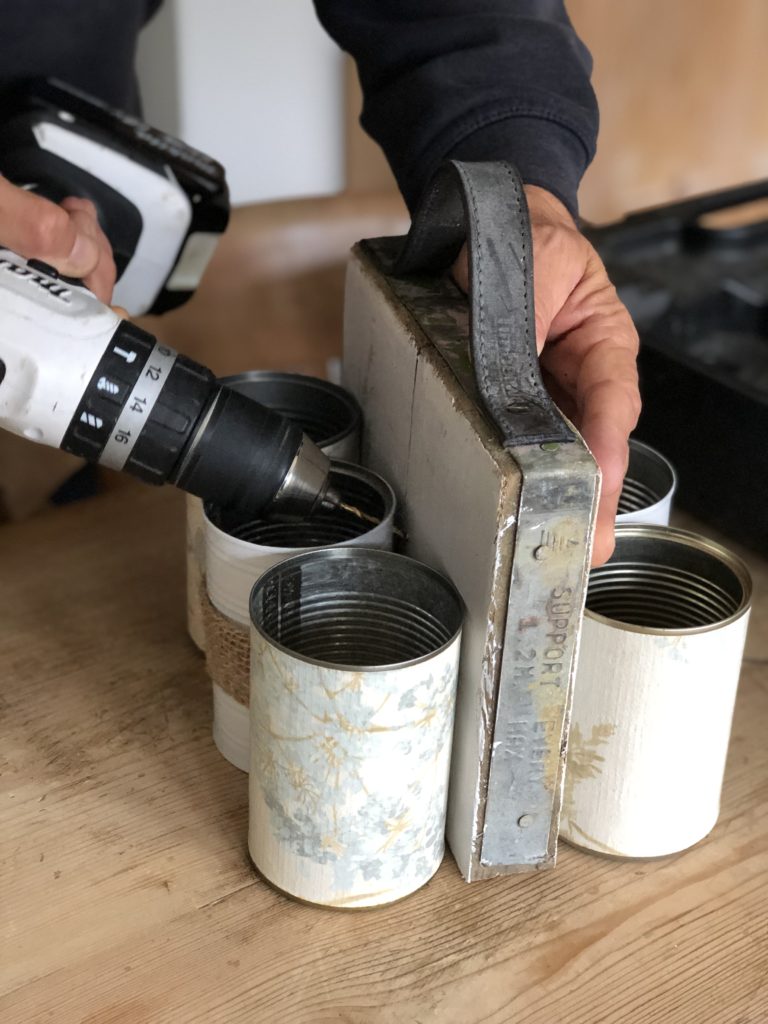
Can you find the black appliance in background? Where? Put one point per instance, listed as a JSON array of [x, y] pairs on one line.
[[698, 293]]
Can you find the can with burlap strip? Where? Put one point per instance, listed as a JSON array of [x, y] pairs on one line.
[[227, 651]]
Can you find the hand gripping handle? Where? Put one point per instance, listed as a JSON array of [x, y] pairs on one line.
[[486, 201]]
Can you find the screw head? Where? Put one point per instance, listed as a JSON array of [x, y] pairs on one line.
[[541, 552], [526, 820]]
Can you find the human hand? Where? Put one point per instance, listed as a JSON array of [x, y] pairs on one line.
[[68, 237], [587, 345]]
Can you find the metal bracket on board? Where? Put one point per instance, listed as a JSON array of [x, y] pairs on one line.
[[546, 598]]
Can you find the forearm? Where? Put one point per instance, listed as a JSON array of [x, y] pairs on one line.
[[472, 79]]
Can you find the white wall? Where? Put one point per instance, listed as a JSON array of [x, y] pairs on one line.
[[256, 84]]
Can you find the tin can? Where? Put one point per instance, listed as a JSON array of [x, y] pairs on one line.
[[661, 648], [238, 551], [649, 486], [352, 707], [326, 412]]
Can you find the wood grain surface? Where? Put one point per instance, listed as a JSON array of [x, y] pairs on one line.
[[127, 895]]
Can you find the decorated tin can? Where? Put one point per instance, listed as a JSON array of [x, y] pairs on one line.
[[351, 724], [659, 662], [238, 551]]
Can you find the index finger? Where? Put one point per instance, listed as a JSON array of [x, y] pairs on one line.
[[595, 363]]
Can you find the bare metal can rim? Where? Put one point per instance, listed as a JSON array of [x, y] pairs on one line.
[[650, 479], [357, 485], [326, 412], [689, 568], [421, 604]]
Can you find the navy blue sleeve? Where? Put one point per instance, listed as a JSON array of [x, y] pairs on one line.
[[471, 79], [91, 46]]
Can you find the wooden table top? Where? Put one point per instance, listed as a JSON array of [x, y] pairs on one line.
[[127, 893]]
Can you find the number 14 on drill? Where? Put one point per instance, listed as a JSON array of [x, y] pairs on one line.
[[139, 404]]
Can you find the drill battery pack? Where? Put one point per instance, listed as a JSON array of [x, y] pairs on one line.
[[694, 276]]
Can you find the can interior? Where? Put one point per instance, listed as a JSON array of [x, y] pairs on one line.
[[666, 583], [356, 607], [324, 412], [328, 526], [649, 479]]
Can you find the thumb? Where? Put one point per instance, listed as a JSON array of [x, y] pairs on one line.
[[559, 265], [36, 228]]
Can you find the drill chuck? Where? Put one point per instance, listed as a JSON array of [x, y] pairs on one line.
[[244, 456]]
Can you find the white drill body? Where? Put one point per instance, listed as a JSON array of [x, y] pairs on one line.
[[52, 336]]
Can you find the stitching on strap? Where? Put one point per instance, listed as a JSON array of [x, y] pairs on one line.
[[530, 340], [478, 267]]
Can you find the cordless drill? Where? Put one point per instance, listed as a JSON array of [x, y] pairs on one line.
[[74, 375]]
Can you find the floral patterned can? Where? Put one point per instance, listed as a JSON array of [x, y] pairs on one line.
[[351, 724]]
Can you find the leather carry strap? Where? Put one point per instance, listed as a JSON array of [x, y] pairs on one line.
[[486, 201]]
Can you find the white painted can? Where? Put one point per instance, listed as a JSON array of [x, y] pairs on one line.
[[661, 649], [649, 486], [355, 659], [327, 412], [233, 563]]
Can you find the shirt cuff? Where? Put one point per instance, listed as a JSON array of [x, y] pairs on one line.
[[543, 151]]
